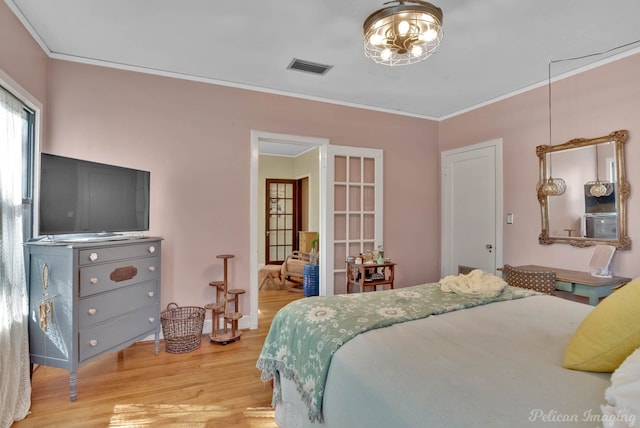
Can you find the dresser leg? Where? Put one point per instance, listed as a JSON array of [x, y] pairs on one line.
[[73, 380]]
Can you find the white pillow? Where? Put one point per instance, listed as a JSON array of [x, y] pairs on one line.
[[623, 395]]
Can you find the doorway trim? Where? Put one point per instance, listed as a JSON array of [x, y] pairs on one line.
[[254, 210]]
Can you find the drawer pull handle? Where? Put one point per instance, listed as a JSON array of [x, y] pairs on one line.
[[93, 342], [93, 280], [152, 268], [92, 311], [124, 273], [93, 257], [152, 319], [152, 249], [151, 294]]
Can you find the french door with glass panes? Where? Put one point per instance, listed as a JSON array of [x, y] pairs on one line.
[[354, 210], [282, 219]]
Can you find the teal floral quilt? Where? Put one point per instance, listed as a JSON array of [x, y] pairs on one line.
[[306, 333]]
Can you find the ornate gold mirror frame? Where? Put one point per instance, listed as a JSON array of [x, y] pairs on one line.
[[544, 152]]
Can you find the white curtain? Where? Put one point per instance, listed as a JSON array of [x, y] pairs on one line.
[[15, 387]]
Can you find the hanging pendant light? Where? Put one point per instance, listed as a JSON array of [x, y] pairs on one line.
[[599, 188], [403, 34], [554, 187], [551, 186]]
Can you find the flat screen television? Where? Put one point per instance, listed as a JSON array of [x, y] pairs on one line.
[[78, 196]]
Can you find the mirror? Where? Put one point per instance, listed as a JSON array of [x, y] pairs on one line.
[[592, 209]]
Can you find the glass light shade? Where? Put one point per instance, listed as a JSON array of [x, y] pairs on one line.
[[403, 34], [600, 188], [554, 187]]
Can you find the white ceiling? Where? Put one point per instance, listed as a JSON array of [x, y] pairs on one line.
[[491, 48]]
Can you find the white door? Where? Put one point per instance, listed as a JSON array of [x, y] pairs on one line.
[[354, 217], [472, 207]]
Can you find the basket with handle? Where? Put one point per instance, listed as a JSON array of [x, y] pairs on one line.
[[182, 327]]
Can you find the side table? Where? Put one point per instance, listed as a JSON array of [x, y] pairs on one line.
[[370, 275]]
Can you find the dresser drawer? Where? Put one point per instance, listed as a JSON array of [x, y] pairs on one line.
[[109, 334], [109, 276], [101, 307], [92, 256]]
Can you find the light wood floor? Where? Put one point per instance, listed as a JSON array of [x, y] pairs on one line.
[[213, 386]]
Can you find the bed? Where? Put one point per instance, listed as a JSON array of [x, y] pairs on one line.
[[472, 361]]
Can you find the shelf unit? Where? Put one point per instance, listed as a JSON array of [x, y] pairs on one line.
[[225, 297], [360, 275]]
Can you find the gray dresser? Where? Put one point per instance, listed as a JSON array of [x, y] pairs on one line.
[[86, 299]]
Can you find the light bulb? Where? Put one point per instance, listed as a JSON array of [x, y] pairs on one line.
[[385, 54], [403, 28], [429, 35], [416, 50], [376, 39]]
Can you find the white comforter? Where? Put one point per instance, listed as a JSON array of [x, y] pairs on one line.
[[497, 365]]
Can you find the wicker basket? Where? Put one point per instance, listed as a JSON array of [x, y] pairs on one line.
[[182, 328]]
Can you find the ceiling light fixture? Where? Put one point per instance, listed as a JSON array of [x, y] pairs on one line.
[[403, 34]]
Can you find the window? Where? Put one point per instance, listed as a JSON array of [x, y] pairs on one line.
[[28, 172]]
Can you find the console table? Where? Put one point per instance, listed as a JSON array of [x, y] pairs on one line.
[[582, 283]]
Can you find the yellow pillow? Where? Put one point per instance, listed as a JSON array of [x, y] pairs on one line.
[[609, 334]]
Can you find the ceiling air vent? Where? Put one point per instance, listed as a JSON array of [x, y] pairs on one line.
[[308, 66]]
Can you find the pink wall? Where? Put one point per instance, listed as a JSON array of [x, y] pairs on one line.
[[195, 140], [588, 105], [21, 57]]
